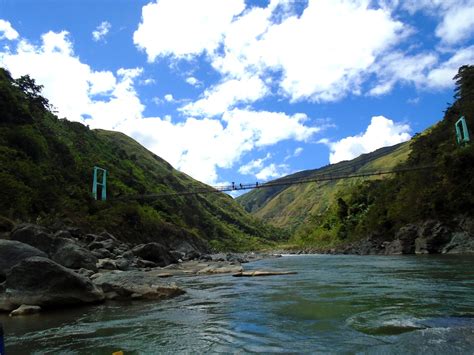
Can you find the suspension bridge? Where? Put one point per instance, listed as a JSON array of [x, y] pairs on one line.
[[334, 175]]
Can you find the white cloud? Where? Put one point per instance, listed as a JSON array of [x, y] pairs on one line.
[[200, 146], [193, 81], [252, 166], [7, 31], [226, 95], [423, 70], [101, 31], [322, 55], [184, 27], [272, 171], [457, 24], [169, 98], [457, 17], [442, 75], [72, 86], [381, 132]]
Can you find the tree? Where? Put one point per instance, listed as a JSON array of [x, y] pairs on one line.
[[32, 91]]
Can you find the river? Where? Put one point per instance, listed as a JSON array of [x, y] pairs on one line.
[[335, 304]]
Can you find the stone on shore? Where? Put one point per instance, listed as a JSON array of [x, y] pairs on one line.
[[155, 253], [12, 252], [74, 256], [40, 281], [24, 310], [136, 284]]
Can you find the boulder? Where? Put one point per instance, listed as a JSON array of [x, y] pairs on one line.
[[73, 256], [24, 310], [12, 252], [36, 236], [106, 264], [102, 253], [136, 285], [154, 252], [43, 282]]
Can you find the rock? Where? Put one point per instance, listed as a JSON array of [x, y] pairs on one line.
[[433, 235], [236, 258], [461, 243], [206, 257], [192, 255], [12, 252], [73, 256], [400, 246], [105, 244], [145, 264], [102, 253], [35, 236], [220, 269], [136, 285], [85, 272], [107, 264], [24, 310], [154, 252], [123, 264], [43, 282], [263, 273]]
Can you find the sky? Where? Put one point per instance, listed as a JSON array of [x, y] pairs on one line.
[[244, 91]]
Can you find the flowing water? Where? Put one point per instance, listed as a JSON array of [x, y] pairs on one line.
[[335, 304]]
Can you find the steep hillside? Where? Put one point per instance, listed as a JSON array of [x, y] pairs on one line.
[[292, 207], [46, 168], [420, 211]]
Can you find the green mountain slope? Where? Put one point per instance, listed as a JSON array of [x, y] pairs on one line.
[[46, 175], [291, 207], [330, 214]]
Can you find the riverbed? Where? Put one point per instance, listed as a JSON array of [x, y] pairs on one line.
[[335, 304]]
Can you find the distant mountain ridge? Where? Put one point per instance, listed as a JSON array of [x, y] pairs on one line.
[[289, 207]]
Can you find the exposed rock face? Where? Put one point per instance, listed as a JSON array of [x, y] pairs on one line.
[[461, 243], [433, 235], [12, 252], [136, 284], [73, 256], [40, 281], [155, 253]]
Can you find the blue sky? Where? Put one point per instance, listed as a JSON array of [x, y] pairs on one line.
[[244, 91]]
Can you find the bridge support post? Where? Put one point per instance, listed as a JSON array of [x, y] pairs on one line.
[[103, 184], [462, 133]]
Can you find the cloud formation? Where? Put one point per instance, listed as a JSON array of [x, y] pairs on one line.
[[101, 31], [7, 31], [381, 132]]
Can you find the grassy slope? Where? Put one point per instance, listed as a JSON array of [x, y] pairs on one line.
[[291, 207], [46, 174]]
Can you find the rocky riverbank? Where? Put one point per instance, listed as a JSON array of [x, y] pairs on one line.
[[428, 237], [42, 268]]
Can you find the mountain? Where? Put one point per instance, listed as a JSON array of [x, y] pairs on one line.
[[416, 211], [46, 167], [292, 207]]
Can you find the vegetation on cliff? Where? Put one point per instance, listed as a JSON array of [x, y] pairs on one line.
[[46, 175]]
